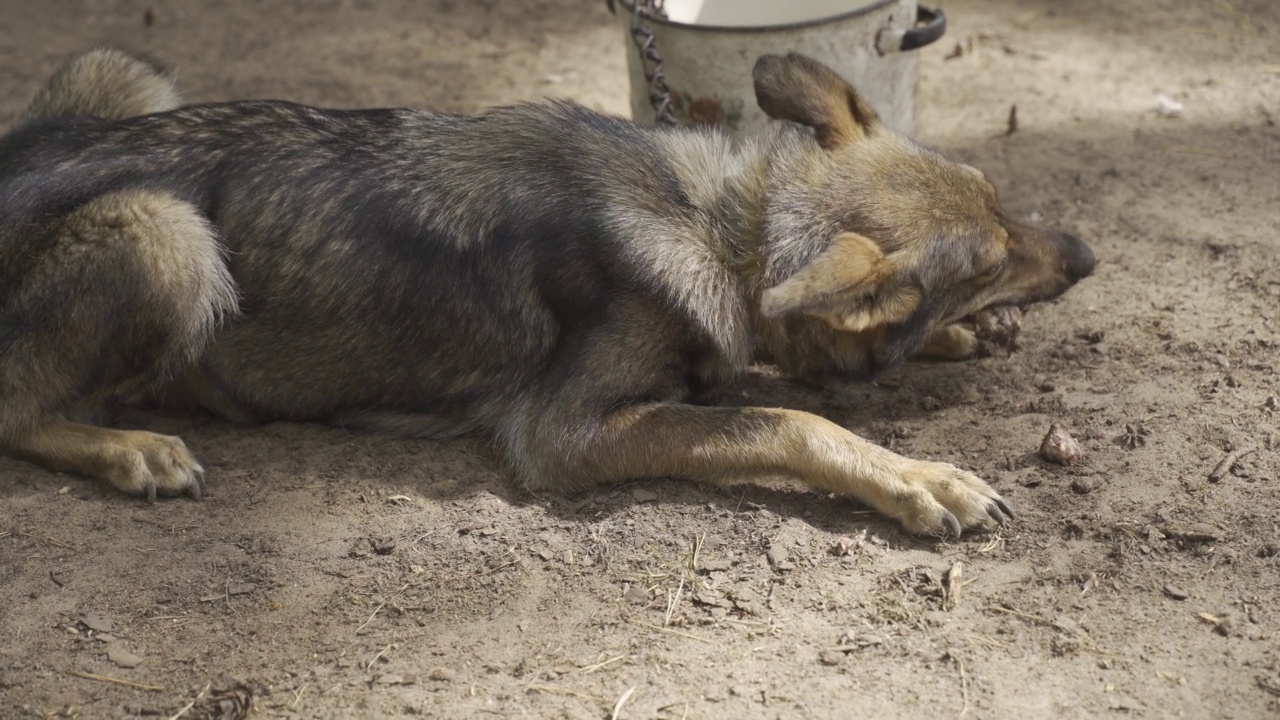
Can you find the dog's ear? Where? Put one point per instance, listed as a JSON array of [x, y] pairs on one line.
[[852, 285], [803, 90]]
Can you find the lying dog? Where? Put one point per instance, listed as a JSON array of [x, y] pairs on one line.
[[551, 277]]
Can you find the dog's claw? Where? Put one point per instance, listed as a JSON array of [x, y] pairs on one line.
[[197, 484], [150, 488], [996, 514], [1004, 508], [953, 525]]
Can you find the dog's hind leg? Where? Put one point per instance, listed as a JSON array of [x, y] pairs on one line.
[[104, 302]]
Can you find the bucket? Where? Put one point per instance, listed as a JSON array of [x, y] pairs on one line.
[[690, 61]]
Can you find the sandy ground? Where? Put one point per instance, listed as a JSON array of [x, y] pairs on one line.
[[331, 575]]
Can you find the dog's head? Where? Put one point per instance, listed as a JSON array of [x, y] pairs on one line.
[[880, 240]]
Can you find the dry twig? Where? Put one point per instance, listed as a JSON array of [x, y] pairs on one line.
[[1229, 461], [116, 681]]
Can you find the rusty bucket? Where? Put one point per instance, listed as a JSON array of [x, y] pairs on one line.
[[690, 60]]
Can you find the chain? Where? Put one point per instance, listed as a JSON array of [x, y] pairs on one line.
[[659, 92]]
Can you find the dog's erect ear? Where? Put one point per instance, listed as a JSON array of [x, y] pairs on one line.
[[803, 90], [851, 285]]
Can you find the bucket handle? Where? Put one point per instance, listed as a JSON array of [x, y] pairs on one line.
[[930, 24]]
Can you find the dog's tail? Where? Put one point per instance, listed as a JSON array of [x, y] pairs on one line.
[[109, 84]]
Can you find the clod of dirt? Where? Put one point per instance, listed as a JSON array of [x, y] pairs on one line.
[[831, 657], [643, 496], [718, 565], [1059, 447], [777, 556], [443, 674], [1191, 532], [636, 594], [117, 654], [97, 623], [233, 703], [845, 545], [1175, 592], [1081, 486], [1226, 626], [999, 327]]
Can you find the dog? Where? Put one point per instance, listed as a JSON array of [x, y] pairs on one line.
[[558, 280]]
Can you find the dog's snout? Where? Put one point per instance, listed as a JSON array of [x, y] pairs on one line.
[[1077, 256]]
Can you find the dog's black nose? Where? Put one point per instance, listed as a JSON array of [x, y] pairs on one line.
[[1078, 257]]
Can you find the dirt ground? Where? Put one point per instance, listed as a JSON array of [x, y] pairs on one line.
[[331, 575]]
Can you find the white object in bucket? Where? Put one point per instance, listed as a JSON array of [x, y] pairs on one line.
[[708, 48], [753, 13]]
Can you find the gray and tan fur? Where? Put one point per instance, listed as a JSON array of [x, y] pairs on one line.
[[556, 279]]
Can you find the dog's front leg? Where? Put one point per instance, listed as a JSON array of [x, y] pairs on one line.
[[133, 461], [708, 443]]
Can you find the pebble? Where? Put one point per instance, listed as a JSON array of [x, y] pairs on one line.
[[97, 623], [1080, 486], [644, 495], [442, 674], [1059, 447], [1175, 592], [122, 657], [777, 555]]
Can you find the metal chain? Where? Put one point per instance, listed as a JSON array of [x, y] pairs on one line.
[[651, 61]]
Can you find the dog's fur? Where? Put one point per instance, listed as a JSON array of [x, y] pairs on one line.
[[551, 277]]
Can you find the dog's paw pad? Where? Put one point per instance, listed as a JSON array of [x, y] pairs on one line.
[[148, 464], [946, 500]]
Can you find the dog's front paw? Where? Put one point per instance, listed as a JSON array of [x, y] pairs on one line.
[[144, 463], [943, 500], [953, 342]]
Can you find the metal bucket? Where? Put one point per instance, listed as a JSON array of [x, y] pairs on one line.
[[690, 60]]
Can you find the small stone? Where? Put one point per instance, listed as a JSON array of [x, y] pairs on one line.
[[64, 490], [930, 403], [637, 595], [845, 545], [710, 599], [777, 555], [1175, 592], [442, 674], [117, 654], [718, 565], [831, 657], [106, 637], [1081, 486], [1191, 532], [545, 554], [1059, 447], [1226, 627], [240, 588], [97, 623], [643, 496]]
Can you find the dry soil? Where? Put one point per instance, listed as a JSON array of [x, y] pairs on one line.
[[330, 575]]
